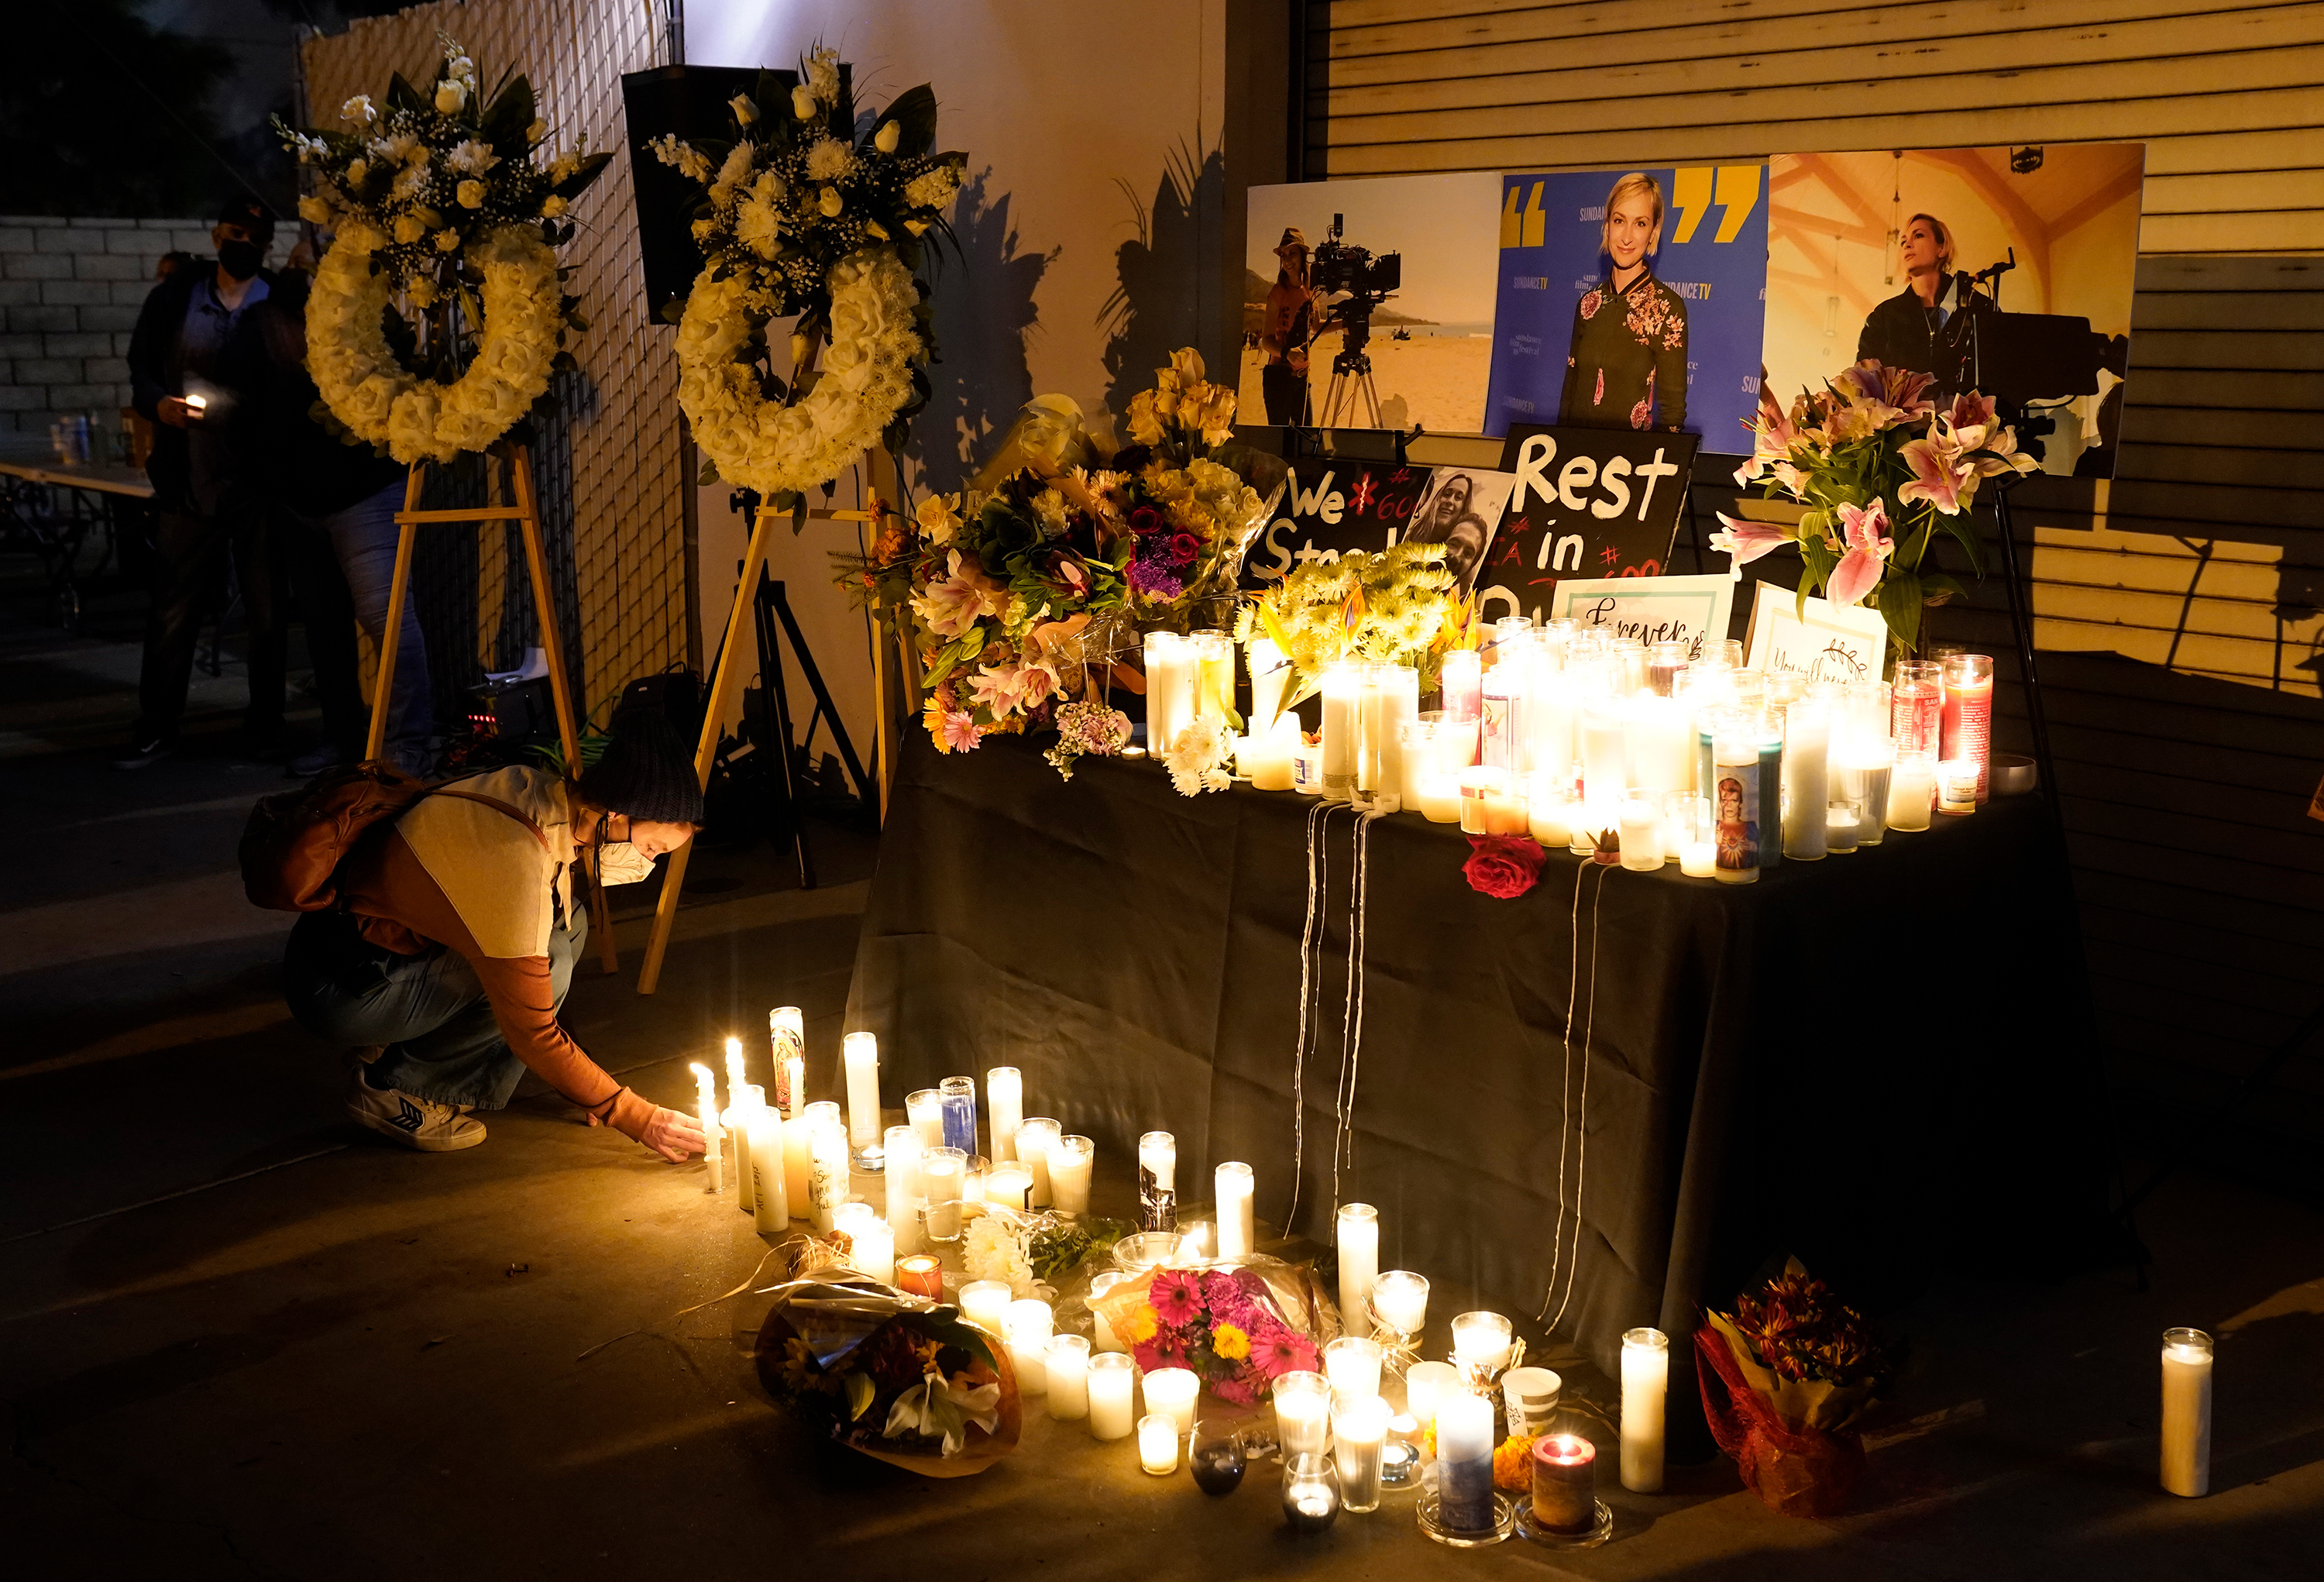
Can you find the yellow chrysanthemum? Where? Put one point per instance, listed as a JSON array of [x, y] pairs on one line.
[[1513, 1463], [1143, 1323], [1230, 1343]]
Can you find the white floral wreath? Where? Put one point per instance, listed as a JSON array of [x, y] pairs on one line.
[[865, 381], [370, 391]]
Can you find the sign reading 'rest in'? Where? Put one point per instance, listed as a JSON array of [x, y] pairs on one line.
[[1591, 503]]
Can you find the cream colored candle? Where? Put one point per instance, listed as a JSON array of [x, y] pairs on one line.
[[1646, 1381], [1352, 1365], [1215, 668], [1170, 666], [1912, 791], [859, 1052], [1066, 1363], [1343, 729], [1425, 1385], [1357, 1241], [1640, 820], [874, 1250], [1009, 1185], [1359, 1434], [827, 1172], [983, 1302], [1400, 1297], [1482, 1340], [771, 1199], [1270, 677], [799, 1164], [1440, 798], [1170, 1392], [923, 1108], [1113, 1387], [1025, 1326], [705, 1104], [1232, 1185], [738, 1136], [1807, 780], [1036, 1139], [1103, 1340], [1303, 1414], [1004, 1090], [942, 1181], [1266, 756], [1158, 1444], [1071, 1162], [1549, 815], [902, 1187], [1698, 860], [2186, 1412]]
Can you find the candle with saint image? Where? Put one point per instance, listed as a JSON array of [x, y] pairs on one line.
[[1646, 1381], [706, 1103], [827, 1168], [1967, 723], [1071, 1162], [1112, 1389], [1157, 1182], [1025, 1326], [1231, 1184], [787, 1047], [770, 1197], [1465, 1464], [2186, 1412], [1358, 1240], [1004, 1091], [923, 1108], [1066, 1363], [860, 1051], [1400, 1297], [903, 1189], [1036, 1139]]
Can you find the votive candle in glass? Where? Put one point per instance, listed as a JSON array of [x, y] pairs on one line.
[[1344, 686], [1483, 1340], [985, 1304], [787, 1047], [1270, 679], [1035, 1140], [1158, 1444], [941, 1173], [1233, 1184], [1170, 667], [1009, 1185], [925, 1108], [1400, 1297], [1311, 1493], [2186, 1412], [1071, 1163], [1358, 1240], [1215, 674], [1425, 1385], [1066, 1361], [921, 1275], [1646, 1381], [1460, 688], [860, 1055], [1359, 1433], [1025, 1326], [873, 1249], [1157, 1182], [1439, 798], [1564, 1483], [1303, 1413], [1004, 1090], [1966, 724], [1640, 815], [972, 1179], [1264, 757], [797, 1143], [1171, 1392], [1956, 784], [1113, 1387], [957, 1097], [1352, 1364], [1912, 791], [1104, 1338], [1807, 778], [1465, 1464]]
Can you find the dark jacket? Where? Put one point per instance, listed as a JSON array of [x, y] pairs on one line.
[[278, 444], [1902, 334], [1625, 365], [157, 368]]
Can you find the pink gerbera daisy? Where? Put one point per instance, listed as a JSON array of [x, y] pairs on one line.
[[1176, 1295], [1279, 1351]]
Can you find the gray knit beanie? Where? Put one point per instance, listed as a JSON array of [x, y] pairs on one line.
[[645, 772]]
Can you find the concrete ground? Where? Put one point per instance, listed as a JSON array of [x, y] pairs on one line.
[[240, 1338]]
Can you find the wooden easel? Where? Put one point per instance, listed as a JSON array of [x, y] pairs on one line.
[[525, 513]]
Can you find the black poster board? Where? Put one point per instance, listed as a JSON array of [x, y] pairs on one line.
[[690, 104], [1334, 504], [1584, 503]]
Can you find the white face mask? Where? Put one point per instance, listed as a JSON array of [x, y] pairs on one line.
[[620, 862]]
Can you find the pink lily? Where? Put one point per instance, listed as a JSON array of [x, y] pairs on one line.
[[1939, 475], [1868, 546], [1772, 437], [1971, 411], [1900, 389], [1747, 541]]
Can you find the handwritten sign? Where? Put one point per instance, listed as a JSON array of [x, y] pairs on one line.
[[1331, 507], [1584, 503], [1649, 609], [1829, 643]]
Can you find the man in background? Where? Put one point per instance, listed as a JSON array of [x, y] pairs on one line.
[[202, 509]]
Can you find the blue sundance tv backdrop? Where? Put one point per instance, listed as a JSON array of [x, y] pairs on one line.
[[1714, 256]]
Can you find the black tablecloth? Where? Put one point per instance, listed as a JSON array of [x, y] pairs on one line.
[[1869, 1061]]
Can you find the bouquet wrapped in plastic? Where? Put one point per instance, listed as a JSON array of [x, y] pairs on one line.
[[1238, 1327], [905, 1381]]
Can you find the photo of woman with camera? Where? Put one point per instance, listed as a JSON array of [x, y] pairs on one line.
[[1925, 326], [1626, 362]]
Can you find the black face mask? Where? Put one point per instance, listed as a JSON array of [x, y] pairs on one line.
[[239, 259]]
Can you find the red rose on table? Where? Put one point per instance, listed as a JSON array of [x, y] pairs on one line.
[[1503, 866]]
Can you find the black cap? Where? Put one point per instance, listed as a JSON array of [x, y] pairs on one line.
[[645, 772], [251, 215]]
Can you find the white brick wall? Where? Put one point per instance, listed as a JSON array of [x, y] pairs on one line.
[[70, 292]]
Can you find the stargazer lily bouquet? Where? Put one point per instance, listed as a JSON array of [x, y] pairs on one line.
[[1880, 468]]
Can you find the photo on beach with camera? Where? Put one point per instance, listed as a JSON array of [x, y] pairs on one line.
[[2005, 270], [1369, 303]]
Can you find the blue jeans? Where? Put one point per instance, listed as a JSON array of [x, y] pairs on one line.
[[349, 560], [429, 1010]]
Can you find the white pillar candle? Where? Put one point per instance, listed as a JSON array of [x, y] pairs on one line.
[[1646, 1380], [1359, 1433], [787, 1048], [874, 1250], [923, 1108], [1036, 1139], [1399, 689], [1425, 1385], [941, 1178], [2186, 1412], [1009, 1185], [1303, 1414], [1170, 665], [1400, 1297], [827, 1174], [1641, 821], [1158, 1444], [1104, 1338], [1264, 757], [1157, 1182], [1215, 674], [1343, 729], [983, 1302], [1066, 1361], [1440, 798], [1550, 717], [1025, 1326], [1659, 745], [705, 1108], [1482, 1340], [859, 1052], [1605, 761], [1071, 1162], [736, 1124], [1464, 1463], [1461, 699], [1004, 1090], [1358, 1240], [1807, 778], [1233, 1184], [770, 1202], [902, 1187], [799, 1164], [1352, 1365], [1170, 1392], [1113, 1384]]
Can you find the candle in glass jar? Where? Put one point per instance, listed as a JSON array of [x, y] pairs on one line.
[[1966, 724], [1956, 784], [2186, 1412], [1264, 757], [1483, 1340], [1564, 1483], [1343, 729], [1065, 1363], [1112, 1386], [787, 1047], [921, 1275], [738, 1137], [1071, 1160], [1916, 706], [1352, 1365], [1465, 1464], [1359, 1434], [1646, 1381], [771, 1197], [1426, 1386], [1270, 678], [1400, 1297], [1170, 665], [1303, 1413], [1102, 1337], [799, 1164], [1460, 684], [1912, 791], [1009, 1185], [1036, 1139], [1158, 1444], [860, 1053], [985, 1304], [1157, 1182], [903, 1190], [1397, 689], [1233, 1184], [956, 1098], [1170, 1392], [873, 1250], [1004, 1090], [1214, 669], [1026, 1326], [1807, 778], [827, 1175], [1357, 1241], [1640, 818], [923, 1108], [943, 1178], [705, 1104], [1440, 798]]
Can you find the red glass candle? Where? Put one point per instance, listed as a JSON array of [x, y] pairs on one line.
[[921, 1275], [1968, 718], [1564, 1483]]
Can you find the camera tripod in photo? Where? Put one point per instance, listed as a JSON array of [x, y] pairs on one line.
[[1362, 281]]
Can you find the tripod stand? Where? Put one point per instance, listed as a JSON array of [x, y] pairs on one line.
[[1351, 383]]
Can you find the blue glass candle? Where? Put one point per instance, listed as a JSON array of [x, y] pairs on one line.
[[956, 1098]]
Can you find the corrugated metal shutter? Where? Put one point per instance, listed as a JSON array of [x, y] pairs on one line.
[[2181, 607]]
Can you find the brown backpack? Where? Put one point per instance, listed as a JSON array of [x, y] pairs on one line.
[[295, 841]]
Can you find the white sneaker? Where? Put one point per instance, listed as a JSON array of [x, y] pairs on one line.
[[416, 1123]]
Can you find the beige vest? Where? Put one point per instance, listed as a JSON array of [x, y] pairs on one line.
[[506, 888]]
